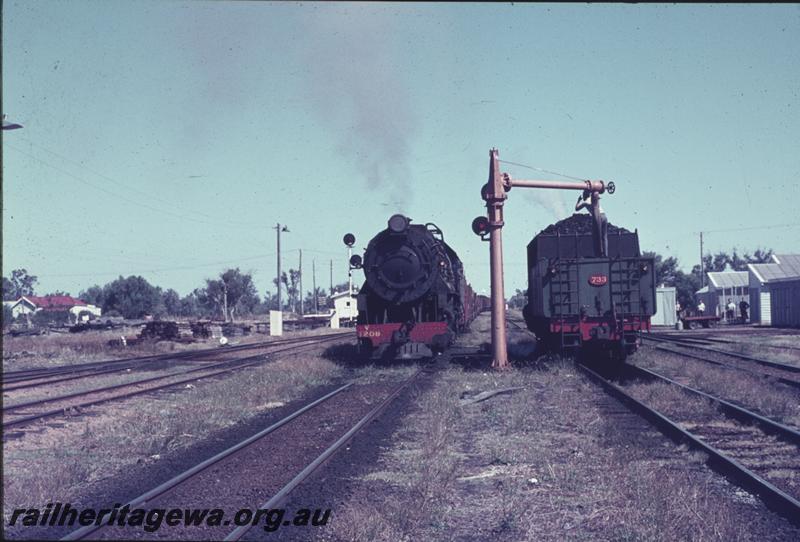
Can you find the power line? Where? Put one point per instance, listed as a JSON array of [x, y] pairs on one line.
[[127, 199], [774, 226], [176, 268], [126, 187], [318, 251]]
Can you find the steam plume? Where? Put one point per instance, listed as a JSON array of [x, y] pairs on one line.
[[357, 90]]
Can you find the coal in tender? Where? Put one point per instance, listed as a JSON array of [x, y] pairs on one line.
[[578, 224]]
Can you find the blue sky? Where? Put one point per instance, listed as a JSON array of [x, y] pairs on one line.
[[166, 138]]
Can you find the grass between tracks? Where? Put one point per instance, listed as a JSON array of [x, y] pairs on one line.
[[765, 396], [26, 352], [548, 462], [55, 464], [761, 350]]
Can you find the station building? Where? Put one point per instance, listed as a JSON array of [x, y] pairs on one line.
[[345, 309], [775, 291], [724, 286]]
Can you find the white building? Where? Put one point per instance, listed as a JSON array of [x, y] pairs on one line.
[[783, 268], [665, 307], [345, 308]]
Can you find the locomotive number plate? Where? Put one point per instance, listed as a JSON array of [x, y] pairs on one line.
[[367, 332], [598, 280]]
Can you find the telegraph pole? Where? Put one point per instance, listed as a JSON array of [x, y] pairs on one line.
[[301, 281], [279, 229], [314, 285], [331, 277], [702, 263]]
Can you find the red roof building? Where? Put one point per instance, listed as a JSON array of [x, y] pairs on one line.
[[54, 302], [30, 304]]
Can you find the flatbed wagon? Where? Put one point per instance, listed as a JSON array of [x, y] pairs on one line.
[[693, 322]]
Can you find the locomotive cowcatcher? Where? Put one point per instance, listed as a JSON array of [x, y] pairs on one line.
[[580, 299], [415, 297]]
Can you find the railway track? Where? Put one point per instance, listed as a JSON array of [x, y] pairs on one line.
[[707, 340], [21, 414], [712, 340], [758, 454], [782, 372], [225, 468], [37, 377]]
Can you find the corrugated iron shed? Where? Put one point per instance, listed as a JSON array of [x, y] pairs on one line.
[[785, 267], [728, 279]]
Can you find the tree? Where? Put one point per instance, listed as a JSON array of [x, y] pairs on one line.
[[190, 305], [290, 282], [233, 293], [21, 284], [93, 295], [8, 290], [270, 302], [518, 300], [132, 297], [666, 269], [58, 293], [172, 302], [723, 260], [322, 299], [668, 272], [761, 255], [685, 287]]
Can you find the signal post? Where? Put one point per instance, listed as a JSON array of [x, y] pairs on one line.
[[494, 193]]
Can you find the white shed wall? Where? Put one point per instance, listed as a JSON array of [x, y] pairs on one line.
[[665, 308], [765, 308]]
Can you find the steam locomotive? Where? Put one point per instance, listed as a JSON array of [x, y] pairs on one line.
[[582, 299], [415, 298]]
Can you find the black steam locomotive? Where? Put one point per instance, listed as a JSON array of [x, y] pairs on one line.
[[580, 299], [415, 297]]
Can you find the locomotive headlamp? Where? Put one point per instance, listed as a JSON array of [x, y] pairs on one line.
[[398, 223], [355, 261], [349, 239]]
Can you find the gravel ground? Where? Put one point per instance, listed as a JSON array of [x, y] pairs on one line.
[[558, 460]]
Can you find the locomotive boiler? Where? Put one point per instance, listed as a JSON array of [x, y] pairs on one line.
[[581, 299], [415, 298]]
